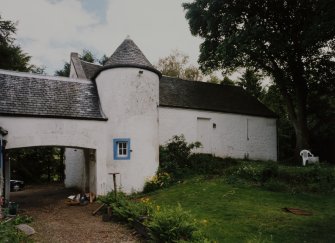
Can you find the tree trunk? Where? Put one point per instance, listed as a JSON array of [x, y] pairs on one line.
[[300, 124], [301, 137], [296, 108]]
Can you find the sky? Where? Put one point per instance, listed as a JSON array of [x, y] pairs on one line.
[[49, 30]]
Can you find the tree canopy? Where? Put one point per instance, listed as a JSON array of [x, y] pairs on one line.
[[11, 55], [291, 41], [177, 65], [250, 82]]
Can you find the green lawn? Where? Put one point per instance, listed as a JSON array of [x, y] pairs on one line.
[[229, 213]]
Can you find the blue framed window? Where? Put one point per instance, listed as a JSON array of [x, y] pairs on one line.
[[121, 148]]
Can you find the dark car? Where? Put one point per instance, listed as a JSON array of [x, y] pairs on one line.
[[16, 185]]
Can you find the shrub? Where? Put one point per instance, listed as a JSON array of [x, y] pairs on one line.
[[207, 164], [311, 178], [164, 225], [174, 156], [249, 171], [269, 172], [277, 177], [161, 180], [173, 225], [8, 232], [123, 209]]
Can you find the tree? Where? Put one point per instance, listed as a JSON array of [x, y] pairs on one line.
[[176, 65], [11, 56], [216, 80], [37, 164], [287, 40], [250, 82], [227, 81], [103, 60], [86, 56], [272, 99], [65, 71]]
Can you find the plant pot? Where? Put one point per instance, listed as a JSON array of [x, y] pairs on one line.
[[12, 208], [106, 217]]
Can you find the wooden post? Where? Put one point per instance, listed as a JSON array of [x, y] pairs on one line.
[[114, 182]]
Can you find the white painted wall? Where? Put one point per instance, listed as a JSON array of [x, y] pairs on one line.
[[80, 169], [235, 135], [75, 175], [28, 132], [130, 101]]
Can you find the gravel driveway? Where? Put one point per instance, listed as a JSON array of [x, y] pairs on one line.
[[54, 221]]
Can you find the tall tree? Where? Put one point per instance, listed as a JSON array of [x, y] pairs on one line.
[[11, 55], [288, 40], [176, 65], [250, 82]]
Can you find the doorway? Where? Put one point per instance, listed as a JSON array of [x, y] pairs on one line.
[[204, 135]]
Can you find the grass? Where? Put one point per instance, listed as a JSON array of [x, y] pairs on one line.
[[242, 213]]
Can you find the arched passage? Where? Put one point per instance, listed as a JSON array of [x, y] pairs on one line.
[[81, 135], [73, 167]]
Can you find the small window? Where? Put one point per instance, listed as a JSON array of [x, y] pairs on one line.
[[121, 148]]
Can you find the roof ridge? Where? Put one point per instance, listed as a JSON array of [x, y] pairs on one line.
[[96, 64], [42, 76], [203, 82]]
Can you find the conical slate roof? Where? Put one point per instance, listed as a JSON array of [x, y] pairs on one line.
[[128, 55]]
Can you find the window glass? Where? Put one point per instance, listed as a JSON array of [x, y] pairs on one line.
[[121, 148]]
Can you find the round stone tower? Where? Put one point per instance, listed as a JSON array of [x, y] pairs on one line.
[[128, 87]]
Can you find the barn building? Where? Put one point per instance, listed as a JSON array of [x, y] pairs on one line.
[[112, 118]]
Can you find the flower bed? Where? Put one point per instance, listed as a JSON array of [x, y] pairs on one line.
[[154, 223]]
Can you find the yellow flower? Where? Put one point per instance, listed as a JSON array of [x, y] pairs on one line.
[[145, 199], [158, 207]]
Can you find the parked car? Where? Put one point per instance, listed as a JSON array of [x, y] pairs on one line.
[[16, 185]]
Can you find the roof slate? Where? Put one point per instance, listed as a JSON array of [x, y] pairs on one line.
[[128, 53], [23, 94], [90, 69], [174, 92]]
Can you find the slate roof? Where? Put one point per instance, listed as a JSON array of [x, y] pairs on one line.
[[174, 92], [128, 55], [89, 68], [23, 94], [179, 93]]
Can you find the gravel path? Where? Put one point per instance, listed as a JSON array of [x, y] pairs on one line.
[[54, 221]]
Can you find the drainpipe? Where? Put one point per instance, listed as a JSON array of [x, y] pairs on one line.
[[277, 139], [1, 178], [2, 150]]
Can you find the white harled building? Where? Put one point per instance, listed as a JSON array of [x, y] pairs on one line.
[[112, 118]]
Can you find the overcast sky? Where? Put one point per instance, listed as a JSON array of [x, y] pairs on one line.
[[49, 30]]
